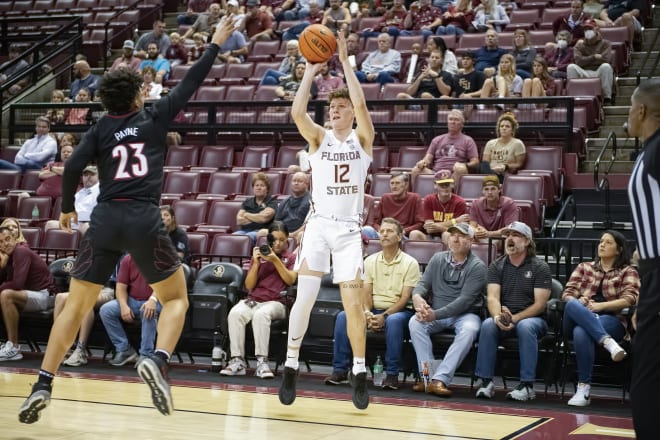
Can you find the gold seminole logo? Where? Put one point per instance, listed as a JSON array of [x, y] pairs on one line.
[[219, 271], [66, 267]]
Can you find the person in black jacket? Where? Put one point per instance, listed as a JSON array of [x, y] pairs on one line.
[[129, 147]]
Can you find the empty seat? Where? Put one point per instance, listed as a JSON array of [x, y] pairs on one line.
[[470, 42], [254, 157], [181, 182], [380, 158], [263, 51], [469, 186], [260, 70], [380, 184], [217, 156], [197, 243], [210, 93], [26, 206], [523, 19], [286, 155], [237, 73], [60, 239], [409, 156], [32, 236], [30, 180], [547, 159], [223, 213], [390, 90], [9, 180], [232, 248], [404, 43], [527, 189], [190, 212], [422, 251], [371, 91], [182, 155], [424, 184], [549, 15]]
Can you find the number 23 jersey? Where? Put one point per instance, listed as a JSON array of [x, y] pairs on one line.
[[339, 171]]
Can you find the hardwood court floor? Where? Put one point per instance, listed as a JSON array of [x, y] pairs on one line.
[[112, 406]]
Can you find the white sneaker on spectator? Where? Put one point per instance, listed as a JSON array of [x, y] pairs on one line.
[[487, 390], [618, 354], [236, 367], [522, 393], [581, 396], [10, 352], [77, 358], [263, 371]]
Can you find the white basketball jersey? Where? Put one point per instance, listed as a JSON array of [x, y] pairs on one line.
[[339, 172]]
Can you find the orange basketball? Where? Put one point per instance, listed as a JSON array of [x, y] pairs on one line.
[[317, 43]]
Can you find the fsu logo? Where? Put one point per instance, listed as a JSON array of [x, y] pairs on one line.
[[67, 266], [219, 271]]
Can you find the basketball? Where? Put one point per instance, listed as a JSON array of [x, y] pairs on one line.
[[317, 43]]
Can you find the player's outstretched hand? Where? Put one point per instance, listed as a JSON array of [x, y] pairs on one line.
[[223, 30], [341, 47], [66, 219]]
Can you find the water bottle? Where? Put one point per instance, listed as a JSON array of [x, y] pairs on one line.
[[264, 160], [378, 372], [216, 359], [425, 374], [35, 213]]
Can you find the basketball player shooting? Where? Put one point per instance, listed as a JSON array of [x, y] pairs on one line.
[[339, 159]]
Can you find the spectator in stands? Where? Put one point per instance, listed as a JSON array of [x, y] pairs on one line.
[[595, 295], [443, 208], [315, 16], [422, 19], [272, 77], [177, 53], [84, 201], [268, 275], [593, 9], [158, 62], [8, 72], [457, 20], [25, 286], [523, 53], [492, 212], [134, 300], [506, 153], [593, 57], [381, 65], [36, 152], [234, 9], [158, 36], [453, 151], [559, 55], [177, 234], [391, 22], [626, 13], [205, 22], [449, 62], [431, 82], [488, 56], [468, 82], [14, 227], [289, 84], [301, 10], [150, 90], [402, 205], [51, 175], [572, 22], [85, 79], [506, 84], [390, 276], [193, 9], [326, 82], [199, 44], [518, 290], [293, 210], [449, 296], [78, 115], [258, 25], [337, 17], [234, 50], [353, 49], [256, 212], [541, 83], [490, 16], [56, 115], [127, 58]]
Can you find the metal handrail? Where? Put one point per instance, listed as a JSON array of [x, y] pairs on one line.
[[611, 139]]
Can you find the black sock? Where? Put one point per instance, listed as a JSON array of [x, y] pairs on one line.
[[45, 378], [163, 355]]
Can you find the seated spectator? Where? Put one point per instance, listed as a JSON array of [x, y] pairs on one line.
[[559, 55], [258, 25], [234, 50], [150, 90], [449, 62], [336, 17], [234, 10], [518, 291], [193, 9], [449, 296], [196, 51], [8, 72], [431, 82], [85, 79], [157, 62], [468, 82], [287, 65], [454, 151], [78, 115], [84, 201], [572, 23], [391, 21], [177, 235], [326, 82], [25, 286], [14, 227], [57, 115], [422, 19], [258, 211], [593, 57], [595, 294], [315, 17], [205, 22], [523, 53], [626, 13], [177, 53], [403, 206], [492, 212], [134, 300], [51, 175], [301, 9], [443, 208], [457, 20], [506, 153], [294, 209], [541, 83], [127, 58], [289, 84], [490, 16], [36, 152], [390, 276], [506, 84], [593, 9], [353, 49], [268, 275], [158, 36], [381, 65], [488, 56]]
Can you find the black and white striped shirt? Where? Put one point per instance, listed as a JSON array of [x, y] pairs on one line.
[[644, 194]]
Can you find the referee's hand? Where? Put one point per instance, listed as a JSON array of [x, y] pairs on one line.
[[66, 219]]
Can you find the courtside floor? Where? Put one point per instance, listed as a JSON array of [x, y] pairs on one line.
[[105, 403]]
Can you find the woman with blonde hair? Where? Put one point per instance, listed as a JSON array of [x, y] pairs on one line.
[[57, 115], [15, 227], [490, 15], [150, 89], [507, 83], [506, 153]]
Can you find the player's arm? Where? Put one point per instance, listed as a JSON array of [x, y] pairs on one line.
[[365, 128], [312, 132]]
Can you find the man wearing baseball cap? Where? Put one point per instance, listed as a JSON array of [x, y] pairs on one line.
[[443, 208], [127, 60], [84, 200], [448, 298], [490, 213], [518, 290]]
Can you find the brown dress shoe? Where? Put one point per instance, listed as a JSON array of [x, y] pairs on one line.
[[419, 387], [439, 389]]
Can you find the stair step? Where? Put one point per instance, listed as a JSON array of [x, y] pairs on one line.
[[618, 167], [622, 154], [616, 110]]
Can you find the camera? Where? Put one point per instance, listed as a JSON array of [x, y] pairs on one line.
[[264, 249]]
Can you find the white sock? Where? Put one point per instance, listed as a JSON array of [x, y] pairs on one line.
[[308, 290], [359, 365]]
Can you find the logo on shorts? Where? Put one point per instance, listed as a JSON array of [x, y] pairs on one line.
[[219, 271], [67, 266]]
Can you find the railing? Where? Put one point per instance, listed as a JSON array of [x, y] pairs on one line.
[[604, 183]]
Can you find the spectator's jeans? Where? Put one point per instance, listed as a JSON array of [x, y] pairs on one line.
[[294, 31], [424, 32], [251, 234], [384, 77], [588, 330], [450, 29], [393, 31], [369, 232], [28, 165], [110, 313], [528, 331], [261, 316], [395, 331], [604, 72], [271, 77], [466, 328]]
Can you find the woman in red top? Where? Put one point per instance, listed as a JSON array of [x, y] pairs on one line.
[[51, 174]]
